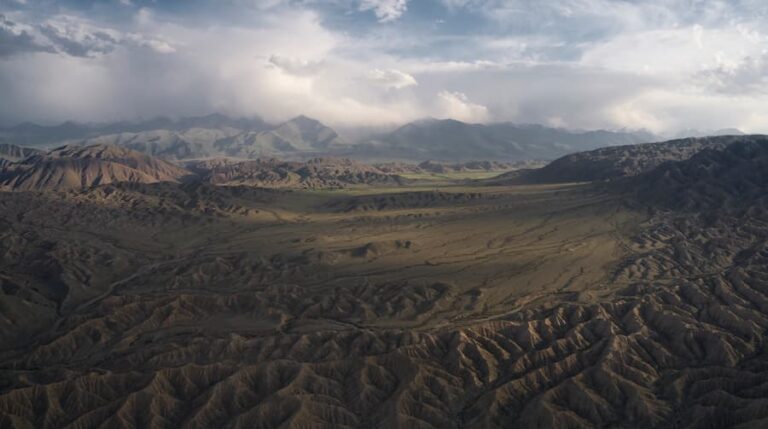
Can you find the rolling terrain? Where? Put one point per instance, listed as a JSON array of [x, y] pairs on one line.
[[637, 303]]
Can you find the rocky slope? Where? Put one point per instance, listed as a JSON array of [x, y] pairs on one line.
[[610, 163], [72, 167], [14, 153], [732, 178]]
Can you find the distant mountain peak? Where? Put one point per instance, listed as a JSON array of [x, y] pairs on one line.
[[304, 121]]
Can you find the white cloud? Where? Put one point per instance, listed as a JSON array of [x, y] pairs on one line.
[[450, 66], [744, 77], [157, 45], [391, 78], [571, 63], [677, 51], [295, 66], [385, 10], [456, 105], [283, 68], [71, 35]]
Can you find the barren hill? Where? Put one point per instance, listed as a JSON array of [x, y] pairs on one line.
[[610, 163], [70, 167], [14, 153], [734, 177]]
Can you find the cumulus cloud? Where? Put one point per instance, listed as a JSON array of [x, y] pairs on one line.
[[391, 78], [457, 105], [278, 70], [657, 64], [72, 36], [385, 10]]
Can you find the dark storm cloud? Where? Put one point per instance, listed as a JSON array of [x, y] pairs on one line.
[[86, 45], [16, 41]]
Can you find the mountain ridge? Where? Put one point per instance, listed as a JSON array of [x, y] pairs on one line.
[[74, 167], [302, 137], [615, 162]]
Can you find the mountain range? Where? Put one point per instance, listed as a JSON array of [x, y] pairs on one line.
[[304, 138], [84, 166], [452, 140]]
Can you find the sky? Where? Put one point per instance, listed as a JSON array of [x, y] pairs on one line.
[[658, 65]]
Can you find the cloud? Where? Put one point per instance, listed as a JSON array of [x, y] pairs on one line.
[[16, 40], [74, 38], [391, 78], [456, 105], [70, 35], [748, 76], [678, 51], [295, 66], [284, 67], [385, 10], [659, 64], [157, 45]]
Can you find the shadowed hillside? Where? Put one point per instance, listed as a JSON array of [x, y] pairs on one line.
[[621, 161]]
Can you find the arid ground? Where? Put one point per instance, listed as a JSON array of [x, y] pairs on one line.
[[438, 304]]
